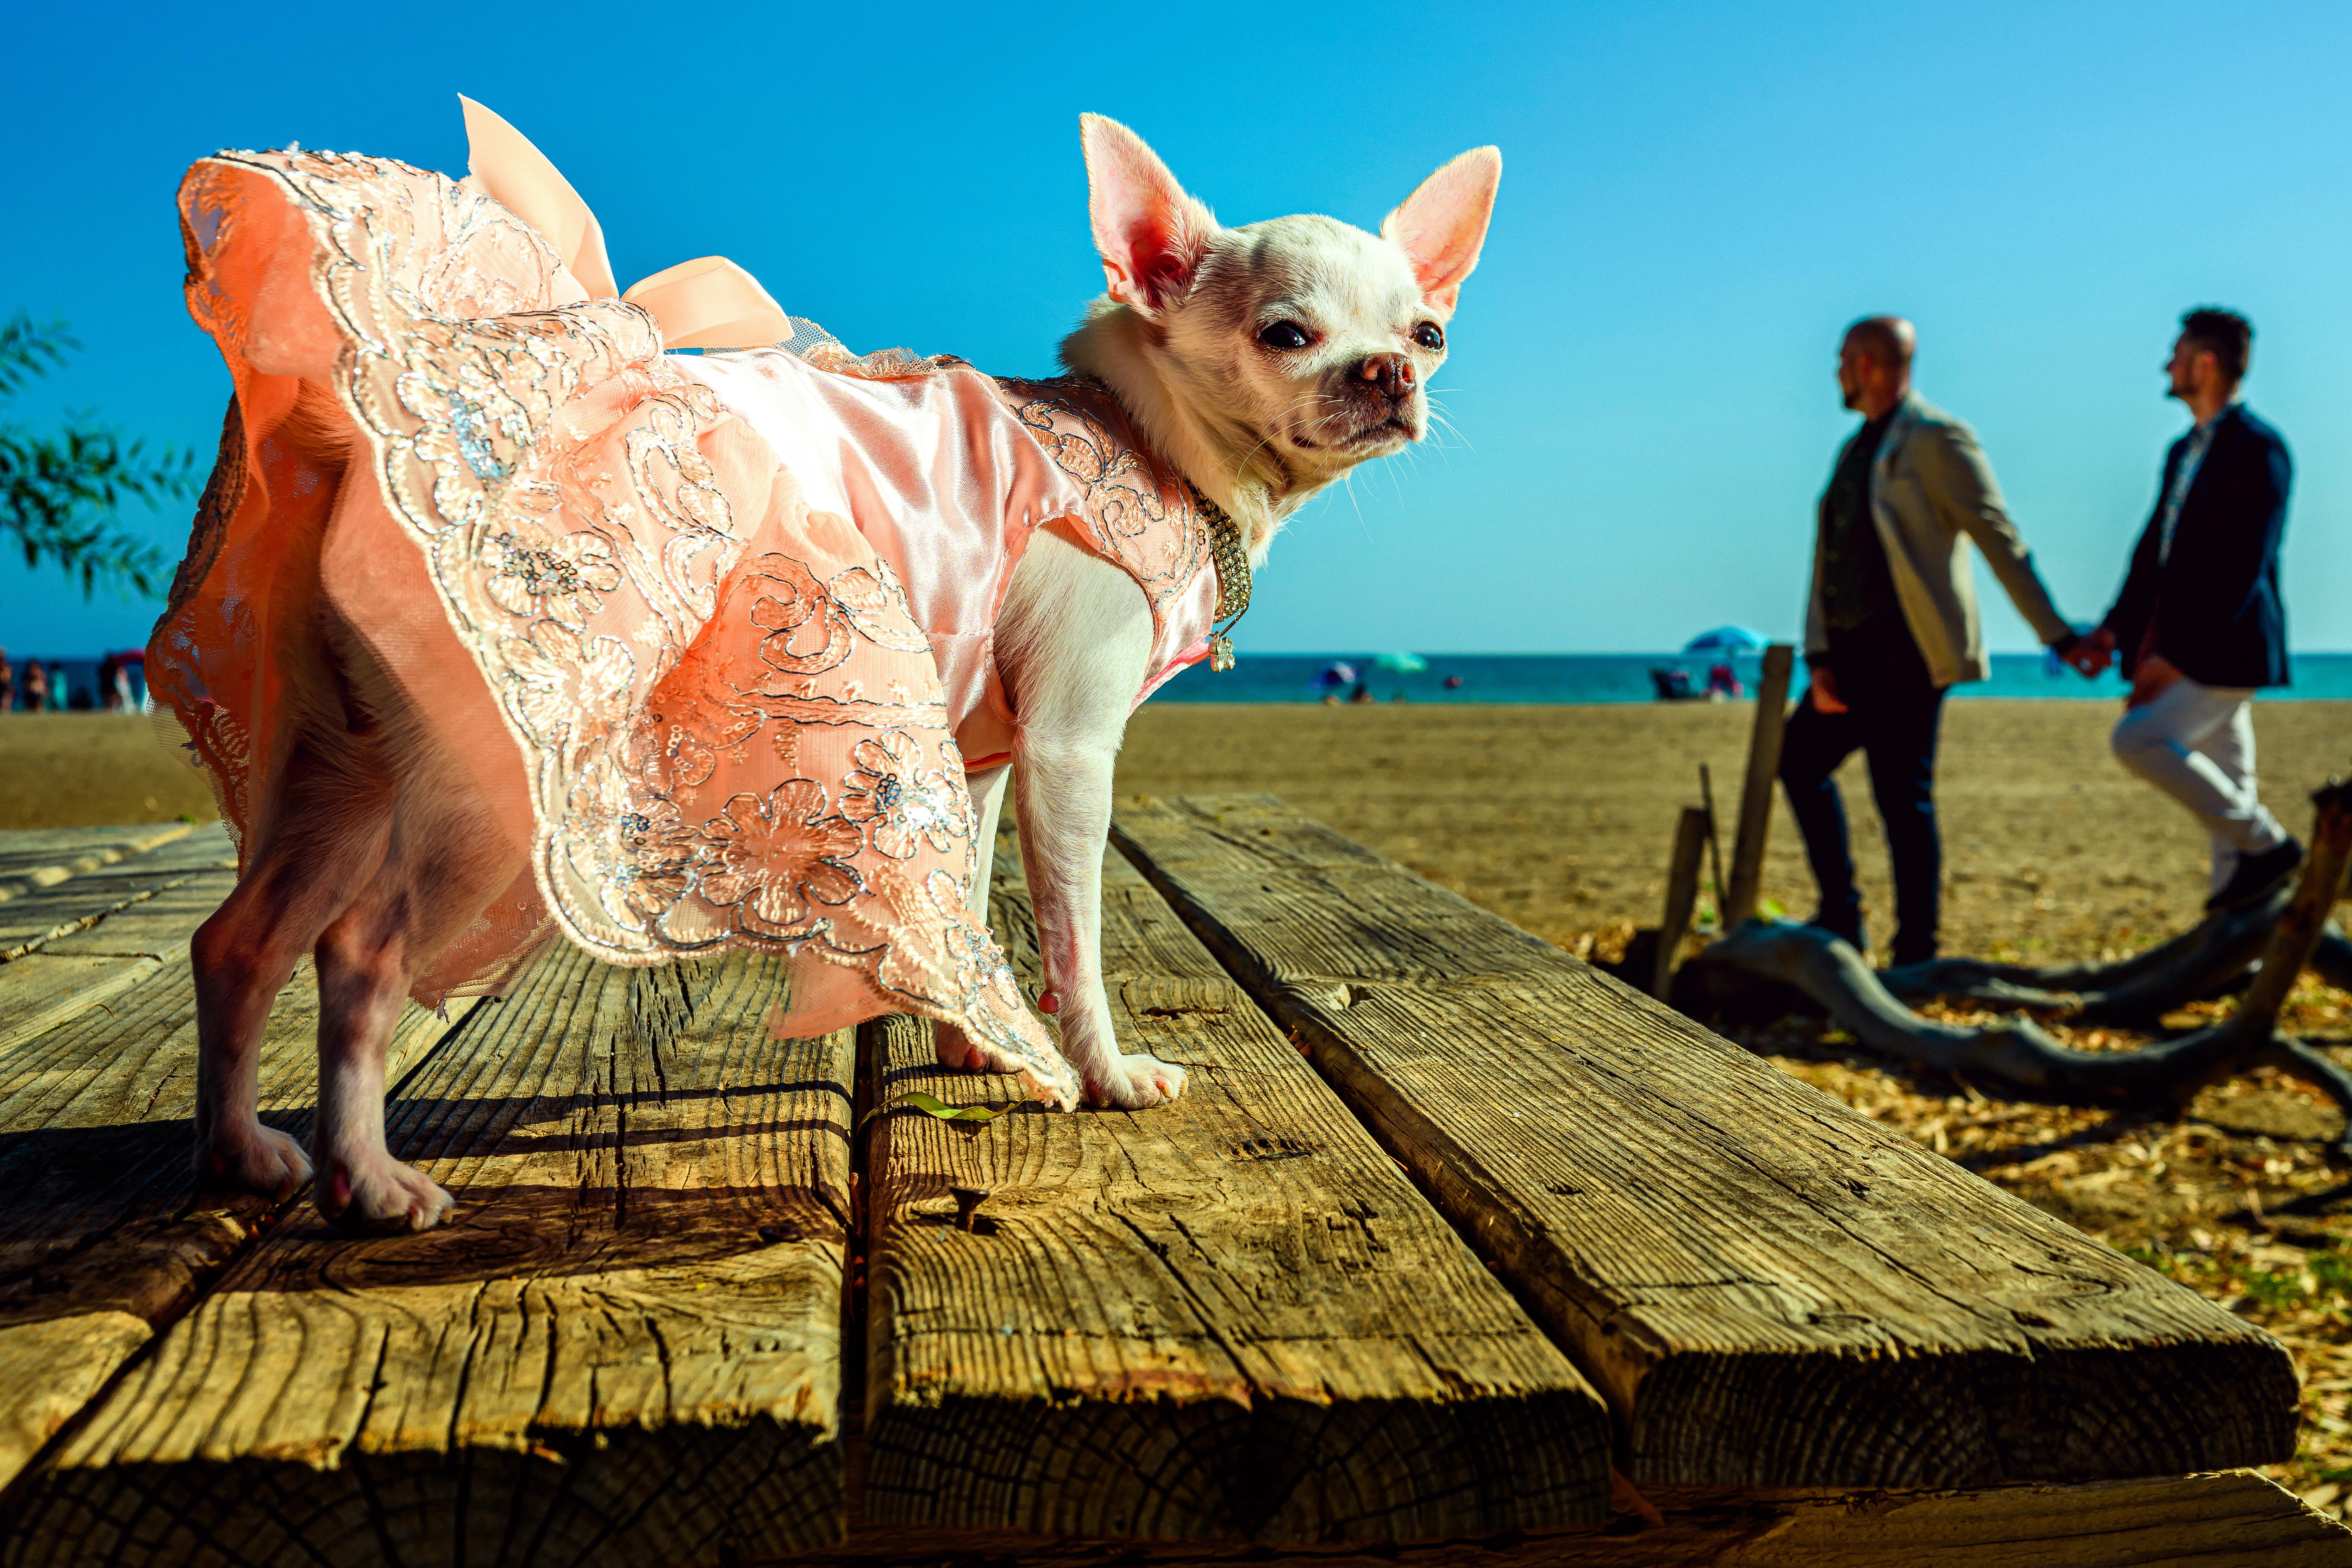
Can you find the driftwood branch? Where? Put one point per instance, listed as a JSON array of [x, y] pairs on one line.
[[2019, 1051], [2140, 989]]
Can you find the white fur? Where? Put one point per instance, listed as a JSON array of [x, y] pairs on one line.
[[1257, 430]]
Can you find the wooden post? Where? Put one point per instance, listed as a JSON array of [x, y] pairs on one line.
[[1714, 841], [1681, 892], [1756, 795]]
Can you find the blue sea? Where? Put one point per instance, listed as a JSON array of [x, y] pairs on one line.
[[1625, 678]]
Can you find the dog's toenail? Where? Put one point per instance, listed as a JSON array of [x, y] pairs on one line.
[[968, 1202]]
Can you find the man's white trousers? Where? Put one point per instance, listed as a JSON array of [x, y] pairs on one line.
[[2196, 743]]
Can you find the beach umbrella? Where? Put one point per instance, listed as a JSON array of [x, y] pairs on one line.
[[1339, 673], [1727, 639], [1402, 663]]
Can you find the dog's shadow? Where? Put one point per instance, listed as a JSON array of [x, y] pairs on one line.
[[111, 1219]]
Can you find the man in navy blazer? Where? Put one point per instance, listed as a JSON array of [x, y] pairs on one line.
[[2199, 624]]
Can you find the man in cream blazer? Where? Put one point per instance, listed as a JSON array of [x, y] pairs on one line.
[[1892, 624]]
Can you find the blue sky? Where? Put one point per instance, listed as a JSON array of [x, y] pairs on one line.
[[1695, 199]]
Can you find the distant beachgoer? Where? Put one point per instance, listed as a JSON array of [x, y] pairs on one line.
[[7, 683], [1453, 683], [1891, 625], [1671, 684], [111, 693], [1722, 680], [37, 686], [1363, 693], [2199, 622]]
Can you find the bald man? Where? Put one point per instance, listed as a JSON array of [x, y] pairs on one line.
[[1891, 626]]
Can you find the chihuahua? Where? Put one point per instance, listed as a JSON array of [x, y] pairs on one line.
[[1257, 363]]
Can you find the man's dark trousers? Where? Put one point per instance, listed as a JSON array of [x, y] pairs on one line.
[[1893, 708]]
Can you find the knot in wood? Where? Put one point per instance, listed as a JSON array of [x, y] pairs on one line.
[[968, 1201]]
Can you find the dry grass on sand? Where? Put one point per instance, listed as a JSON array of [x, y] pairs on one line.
[[1559, 819]]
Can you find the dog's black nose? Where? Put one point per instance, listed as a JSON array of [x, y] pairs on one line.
[[1392, 373]]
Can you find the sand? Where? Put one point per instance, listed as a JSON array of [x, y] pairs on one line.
[[1560, 817]]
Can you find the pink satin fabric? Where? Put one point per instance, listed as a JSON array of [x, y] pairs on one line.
[[920, 456]]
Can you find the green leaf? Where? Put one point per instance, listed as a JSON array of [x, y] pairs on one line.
[[932, 1105], [1774, 909]]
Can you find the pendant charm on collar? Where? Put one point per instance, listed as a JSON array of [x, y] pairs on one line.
[[1231, 558]]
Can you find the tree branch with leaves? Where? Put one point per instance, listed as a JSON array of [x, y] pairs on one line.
[[60, 493]]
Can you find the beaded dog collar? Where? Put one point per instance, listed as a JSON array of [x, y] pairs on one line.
[[1231, 559]]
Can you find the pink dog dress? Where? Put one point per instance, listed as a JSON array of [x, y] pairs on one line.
[[713, 636]]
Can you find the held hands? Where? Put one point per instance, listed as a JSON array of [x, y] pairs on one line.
[[1825, 697], [2091, 653]]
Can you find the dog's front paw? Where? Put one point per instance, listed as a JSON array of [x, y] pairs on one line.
[[253, 1159], [1131, 1083], [381, 1197]]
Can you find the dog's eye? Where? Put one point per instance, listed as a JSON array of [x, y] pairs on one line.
[[1430, 335], [1284, 335]]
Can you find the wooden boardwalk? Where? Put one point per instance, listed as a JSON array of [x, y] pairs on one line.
[[1454, 1248]]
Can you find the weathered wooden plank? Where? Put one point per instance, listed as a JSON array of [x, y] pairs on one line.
[[105, 1239], [626, 1351], [77, 903], [37, 993], [2232, 1520], [42, 857], [1231, 1316], [111, 930], [1771, 1289]]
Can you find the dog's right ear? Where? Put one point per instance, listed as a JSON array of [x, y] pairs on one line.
[[1151, 234]]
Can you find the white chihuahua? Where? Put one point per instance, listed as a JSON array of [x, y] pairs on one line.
[[1257, 363], [1261, 364]]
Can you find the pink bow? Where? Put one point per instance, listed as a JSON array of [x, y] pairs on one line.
[[707, 303]]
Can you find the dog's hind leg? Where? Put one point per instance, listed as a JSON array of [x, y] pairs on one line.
[[444, 863], [325, 841], [955, 1050]]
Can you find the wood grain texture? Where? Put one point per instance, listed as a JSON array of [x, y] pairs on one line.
[[2232, 1520], [37, 993], [626, 1351], [200, 865], [1232, 1316], [105, 1239], [1770, 1289], [42, 857]]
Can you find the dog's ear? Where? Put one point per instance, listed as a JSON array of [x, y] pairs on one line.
[[1151, 234], [1442, 225]]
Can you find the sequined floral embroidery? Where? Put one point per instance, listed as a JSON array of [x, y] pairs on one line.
[[779, 853], [902, 805], [534, 573]]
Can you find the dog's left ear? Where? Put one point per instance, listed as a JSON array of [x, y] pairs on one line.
[[1151, 234], [1442, 225]]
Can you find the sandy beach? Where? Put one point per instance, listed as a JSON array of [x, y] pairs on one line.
[[1560, 817]]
